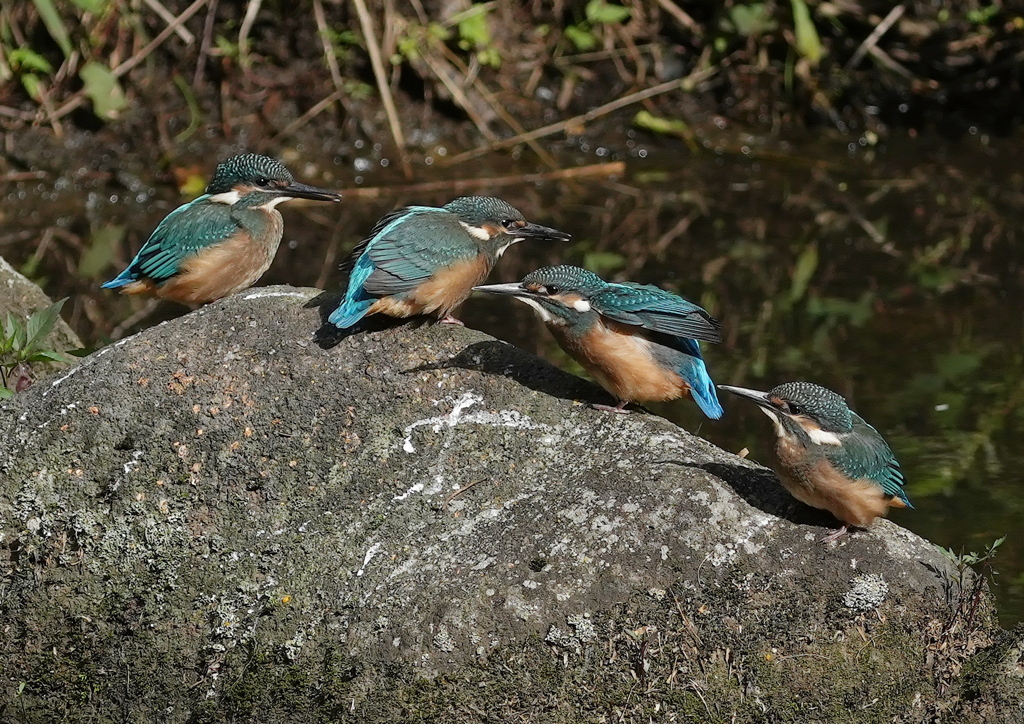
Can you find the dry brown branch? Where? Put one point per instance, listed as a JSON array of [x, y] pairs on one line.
[[680, 15], [455, 185], [252, 9], [366, 22], [872, 40], [168, 17], [583, 118], [79, 98]]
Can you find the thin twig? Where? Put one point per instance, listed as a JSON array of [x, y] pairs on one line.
[[366, 22], [679, 14], [575, 120], [79, 98], [872, 40], [251, 10], [204, 47], [311, 113], [168, 17], [600, 169], [499, 108]]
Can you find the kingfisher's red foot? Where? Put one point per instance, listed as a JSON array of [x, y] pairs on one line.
[[620, 408], [836, 535], [449, 319]]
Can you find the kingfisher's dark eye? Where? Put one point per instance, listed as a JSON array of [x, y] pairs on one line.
[[262, 181], [794, 409], [551, 290], [510, 224]]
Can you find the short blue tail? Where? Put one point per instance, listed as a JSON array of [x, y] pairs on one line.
[[121, 280], [350, 312], [702, 389], [356, 303]]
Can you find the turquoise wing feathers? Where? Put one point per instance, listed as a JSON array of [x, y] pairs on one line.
[[676, 324], [183, 233], [657, 310], [865, 454], [404, 250]]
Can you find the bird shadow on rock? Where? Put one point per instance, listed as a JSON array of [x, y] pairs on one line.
[[327, 336], [762, 490], [494, 357]]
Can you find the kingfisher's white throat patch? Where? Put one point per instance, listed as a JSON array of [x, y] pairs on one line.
[[274, 202], [581, 305], [477, 232], [228, 197], [545, 315]]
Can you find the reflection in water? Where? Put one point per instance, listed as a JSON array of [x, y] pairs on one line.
[[896, 283]]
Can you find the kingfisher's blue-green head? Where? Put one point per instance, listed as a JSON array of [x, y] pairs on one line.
[[260, 181], [497, 223], [559, 294], [802, 410]]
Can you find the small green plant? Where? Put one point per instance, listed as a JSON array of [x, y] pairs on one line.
[[21, 344], [967, 596]]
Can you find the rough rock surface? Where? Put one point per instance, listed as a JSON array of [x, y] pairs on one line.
[[220, 520]]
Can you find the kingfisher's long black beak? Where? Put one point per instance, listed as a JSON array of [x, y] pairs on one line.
[[515, 289], [539, 233], [295, 190], [761, 398]]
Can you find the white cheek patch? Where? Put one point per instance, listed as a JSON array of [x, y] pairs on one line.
[[581, 305], [228, 197], [544, 314], [476, 232], [823, 437]]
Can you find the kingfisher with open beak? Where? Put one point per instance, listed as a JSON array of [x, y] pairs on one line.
[[221, 242], [828, 457], [426, 260], [638, 341]]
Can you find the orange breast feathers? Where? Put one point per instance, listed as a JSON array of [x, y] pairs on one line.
[[219, 270], [623, 362], [820, 485], [440, 294]]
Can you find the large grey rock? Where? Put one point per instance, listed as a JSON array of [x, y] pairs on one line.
[[218, 520]]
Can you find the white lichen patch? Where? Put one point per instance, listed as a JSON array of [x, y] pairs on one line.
[[866, 593], [501, 418]]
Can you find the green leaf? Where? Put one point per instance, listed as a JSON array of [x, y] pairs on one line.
[[100, 254], [41, 323], [91, 6], [54, 24], [26, 60], [657, 124], [806, 264], [751, 20], [474, 30], [581, 37], [808, 44], [32, 85], [600, 11], [103, 89], [6, 394], [47, 356]]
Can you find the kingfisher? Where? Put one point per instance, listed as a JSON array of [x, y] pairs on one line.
[[426, 260], [828, 456], [221, 242], [638, 341]]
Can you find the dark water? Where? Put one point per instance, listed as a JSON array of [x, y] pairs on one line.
[[892, 275]]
